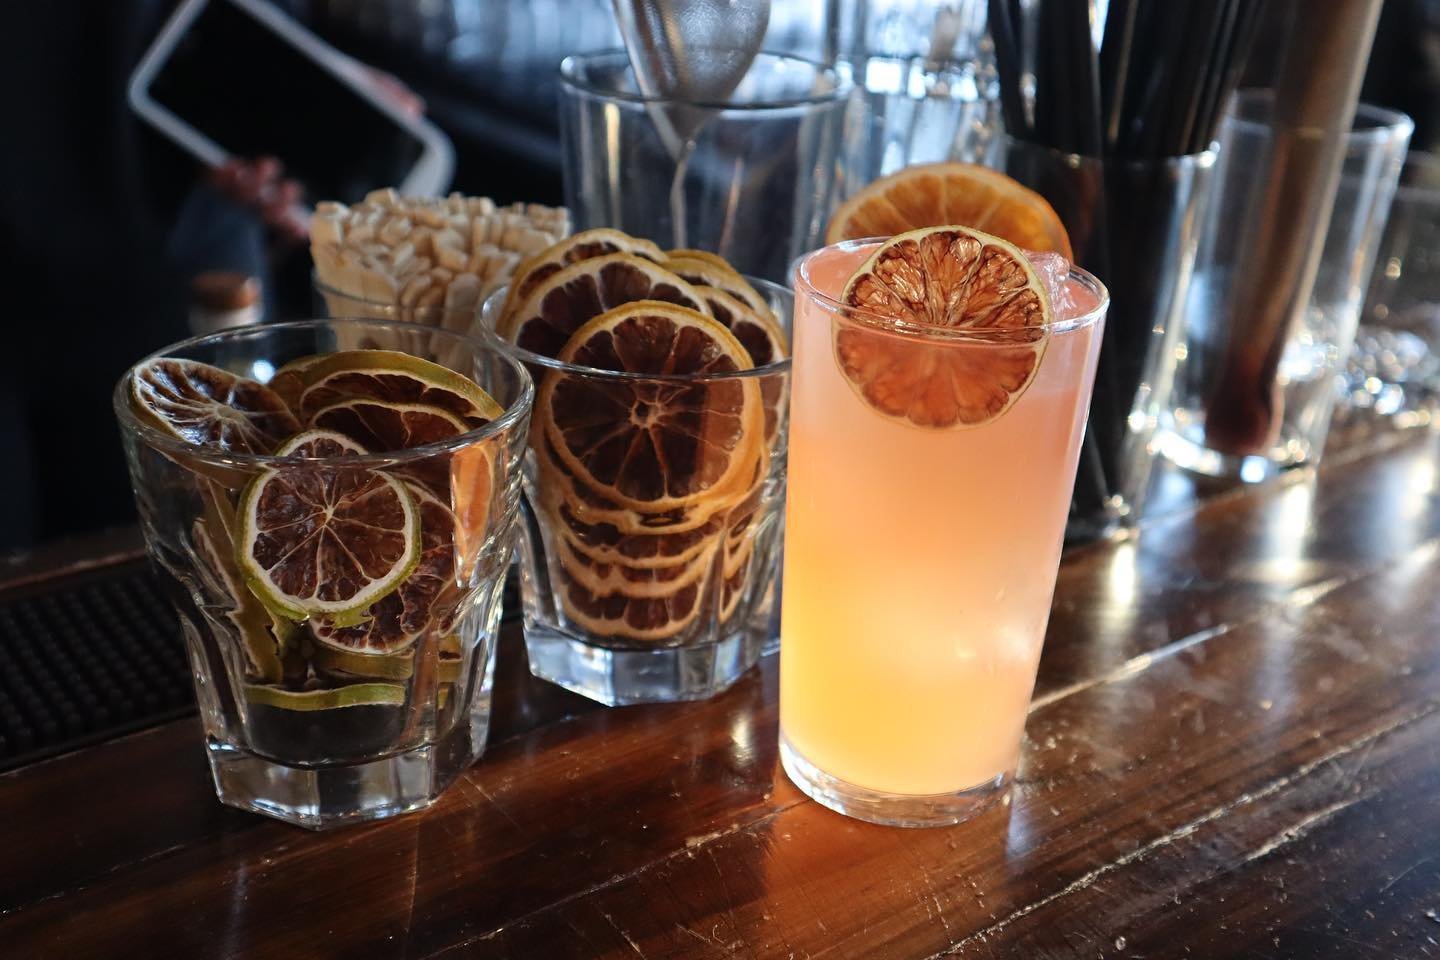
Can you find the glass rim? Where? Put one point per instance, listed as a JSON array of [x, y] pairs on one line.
[[320, 286], [158, 439], [551, 363], [569, 69], [1204, 158], [1385, 124], [1425, 191], [804, 285]]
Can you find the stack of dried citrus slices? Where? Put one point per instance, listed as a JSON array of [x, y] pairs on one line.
[[333, 569], [653, 447]]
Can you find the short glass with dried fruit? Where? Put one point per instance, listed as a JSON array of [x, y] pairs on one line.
[[657, 465], [333, 505], [940, 390]]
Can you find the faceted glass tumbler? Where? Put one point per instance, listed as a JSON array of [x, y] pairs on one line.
[[322, 723], [628, 602]]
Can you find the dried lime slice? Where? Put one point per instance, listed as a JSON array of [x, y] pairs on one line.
[[395, 378], [355, 695], [395, 666], [289, 381], [261, 647], [384, 427], [398, 619], [318, 444], [326, 540], [207, 406]]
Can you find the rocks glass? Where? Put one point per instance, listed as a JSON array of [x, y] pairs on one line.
[[323, 721], [652, 524]]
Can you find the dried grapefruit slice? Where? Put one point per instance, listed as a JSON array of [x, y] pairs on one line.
[[939, 194], [325, 540], [949, 277], [393, 377], [569, 299], [585, 245], [654, 444], [207, 406]]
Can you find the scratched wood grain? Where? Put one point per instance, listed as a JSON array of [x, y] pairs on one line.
[[1234, 751]]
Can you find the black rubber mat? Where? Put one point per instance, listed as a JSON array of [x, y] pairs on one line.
[[87, 661]]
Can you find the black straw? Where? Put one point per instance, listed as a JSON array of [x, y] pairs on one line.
[[1155, 87]]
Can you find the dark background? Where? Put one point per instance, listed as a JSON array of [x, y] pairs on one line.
[[91, 199]]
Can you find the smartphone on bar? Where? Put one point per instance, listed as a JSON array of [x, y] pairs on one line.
[[240, 79]]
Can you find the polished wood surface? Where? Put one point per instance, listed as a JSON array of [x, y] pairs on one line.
[[1234, 751]]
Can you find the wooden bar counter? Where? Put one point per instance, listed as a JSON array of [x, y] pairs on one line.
[[1234, 751]]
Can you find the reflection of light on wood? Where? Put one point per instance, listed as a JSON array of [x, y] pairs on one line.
[[1289, 521], [1122, 578]]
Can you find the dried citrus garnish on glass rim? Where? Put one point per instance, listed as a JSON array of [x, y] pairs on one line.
[[949, 330], [935, 194]]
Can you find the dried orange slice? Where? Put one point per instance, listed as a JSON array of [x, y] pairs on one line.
[[325, 540], [646, 619], [392, 377], [472, 472], [949, 277], [707, 255], [569, 299], [722, 276], [585, 245], [762, 336], [940, 194], [603, 578], [207, 406], [589, 506], [763, 340], [654, 444], [606, 543], [732, 589]]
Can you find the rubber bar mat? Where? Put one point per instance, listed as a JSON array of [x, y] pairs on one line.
[[88, 661]]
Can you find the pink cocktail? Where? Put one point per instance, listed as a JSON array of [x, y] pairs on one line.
[[920, 560]]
